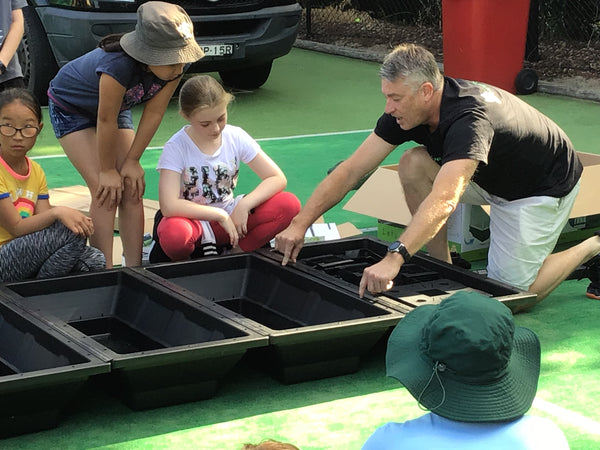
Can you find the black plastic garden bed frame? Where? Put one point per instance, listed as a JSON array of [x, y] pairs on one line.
[[163, 349], [40, 371], [315, 329], [424, 280]]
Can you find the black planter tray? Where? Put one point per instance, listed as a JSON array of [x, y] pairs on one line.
[[40, 372], [163, 348], [315, 328], [424, 280]]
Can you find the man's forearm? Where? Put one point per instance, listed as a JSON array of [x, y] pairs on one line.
[[327, 194]]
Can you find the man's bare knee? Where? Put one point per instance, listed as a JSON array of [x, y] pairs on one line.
[[416, 165]]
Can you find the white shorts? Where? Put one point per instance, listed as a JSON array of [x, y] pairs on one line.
[[522, 232]]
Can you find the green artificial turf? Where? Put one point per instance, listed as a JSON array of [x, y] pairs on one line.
[[309, 94]]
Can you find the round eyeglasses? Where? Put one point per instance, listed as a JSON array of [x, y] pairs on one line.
[[27, 131]]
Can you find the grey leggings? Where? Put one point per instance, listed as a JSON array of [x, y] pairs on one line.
[[52, 252]]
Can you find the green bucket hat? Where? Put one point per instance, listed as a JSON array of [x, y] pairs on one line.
[[465, 360]]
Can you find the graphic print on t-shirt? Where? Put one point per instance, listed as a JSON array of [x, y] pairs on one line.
[[25, 207], [222, 184], [208, 185], [190, 184], [137, 94]]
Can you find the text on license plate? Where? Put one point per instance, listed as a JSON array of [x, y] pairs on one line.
[[218, 49]]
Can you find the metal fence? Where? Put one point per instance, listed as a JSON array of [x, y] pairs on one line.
[[563, 35]]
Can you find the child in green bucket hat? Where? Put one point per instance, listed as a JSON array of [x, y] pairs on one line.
[[466, 362]]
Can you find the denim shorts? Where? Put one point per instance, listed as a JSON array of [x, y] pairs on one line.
[[65, 122]]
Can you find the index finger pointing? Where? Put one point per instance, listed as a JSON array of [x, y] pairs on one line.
[[362, 286], [286, 258]]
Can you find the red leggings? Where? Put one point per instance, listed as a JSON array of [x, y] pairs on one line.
[[179, 236]]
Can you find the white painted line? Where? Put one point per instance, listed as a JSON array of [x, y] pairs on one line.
[[566, 415], [48, 156], [335, 133]]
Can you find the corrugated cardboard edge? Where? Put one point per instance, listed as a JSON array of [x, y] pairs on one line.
[[345, 229], [78, 197], [382, 196]]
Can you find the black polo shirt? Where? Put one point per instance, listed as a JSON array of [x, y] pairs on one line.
[[521, 152]]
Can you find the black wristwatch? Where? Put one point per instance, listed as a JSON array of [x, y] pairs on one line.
[[398, 247], [2, 68]]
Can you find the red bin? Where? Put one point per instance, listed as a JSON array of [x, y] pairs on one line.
[[484, 40]]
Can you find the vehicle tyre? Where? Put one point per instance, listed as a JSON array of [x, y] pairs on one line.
[[526, 82], [247, 78], [35, 56]]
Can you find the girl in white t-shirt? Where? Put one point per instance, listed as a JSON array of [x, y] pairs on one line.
[[199, 169]]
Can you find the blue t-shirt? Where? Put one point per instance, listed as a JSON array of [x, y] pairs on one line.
[[433, 432], [76, 85]]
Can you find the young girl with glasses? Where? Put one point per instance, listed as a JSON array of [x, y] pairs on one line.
[[36, 239]]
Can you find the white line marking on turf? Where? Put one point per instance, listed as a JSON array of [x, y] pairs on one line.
[[334, 133], [48, 156], [566, 415]]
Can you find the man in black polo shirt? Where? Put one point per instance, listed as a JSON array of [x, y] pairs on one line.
[[478, 145]]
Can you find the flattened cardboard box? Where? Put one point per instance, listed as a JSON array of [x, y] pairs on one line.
[[78, 197], [381, 196], [342, 230]]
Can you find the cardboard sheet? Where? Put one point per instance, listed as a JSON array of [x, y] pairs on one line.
[[78, 197], [382, 196]]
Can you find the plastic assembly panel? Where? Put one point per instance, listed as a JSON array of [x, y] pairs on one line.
[[40, 372], [162, 348], [424, 280], [315, 329]]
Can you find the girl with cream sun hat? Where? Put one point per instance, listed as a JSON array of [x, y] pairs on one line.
[[90, 101]]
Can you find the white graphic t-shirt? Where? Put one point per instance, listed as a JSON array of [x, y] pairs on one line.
[[209, 180]]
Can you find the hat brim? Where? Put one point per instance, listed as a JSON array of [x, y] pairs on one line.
[[160, 56], [453, 397]]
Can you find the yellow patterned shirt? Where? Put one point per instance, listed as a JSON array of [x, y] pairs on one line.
[[23, 190]]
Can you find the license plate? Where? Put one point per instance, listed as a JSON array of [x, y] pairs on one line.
[[218, 50]]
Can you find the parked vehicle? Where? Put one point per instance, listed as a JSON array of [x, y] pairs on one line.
[[240, 38]]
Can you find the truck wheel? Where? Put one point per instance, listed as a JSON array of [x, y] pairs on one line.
[[526, 82], [35, 56], [247, 78]]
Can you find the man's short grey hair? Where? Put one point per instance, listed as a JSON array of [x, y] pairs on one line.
[[413, 63]]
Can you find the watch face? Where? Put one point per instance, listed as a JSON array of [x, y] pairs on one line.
[[393, 246]]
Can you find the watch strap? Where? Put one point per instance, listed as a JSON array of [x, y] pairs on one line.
[[400, 248]]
